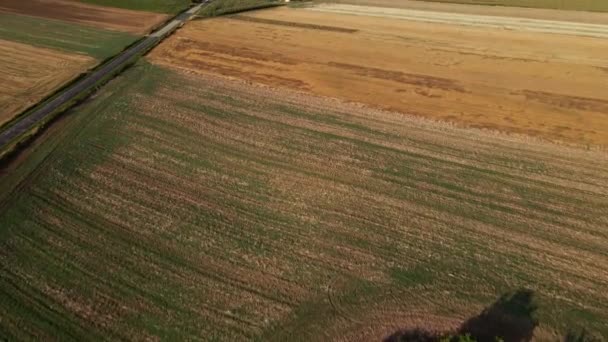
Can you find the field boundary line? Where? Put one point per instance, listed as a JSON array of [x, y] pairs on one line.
[[27, 125], [473, 20]]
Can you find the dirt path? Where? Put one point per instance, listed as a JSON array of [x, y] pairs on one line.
[[49, 108]]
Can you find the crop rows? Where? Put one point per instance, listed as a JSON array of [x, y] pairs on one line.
[[190, 206], [68, 37]]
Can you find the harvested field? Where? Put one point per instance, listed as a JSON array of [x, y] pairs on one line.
[[135, 22], [185, 207], [28, 74], [476, 77], [576, 5], [69, 37], [482, 21], [530, 13], [292, 24]]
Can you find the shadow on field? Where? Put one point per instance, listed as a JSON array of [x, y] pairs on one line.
[[510, 318]]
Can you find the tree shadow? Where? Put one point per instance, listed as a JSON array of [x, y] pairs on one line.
[[413, 335], [510, 318], [581, 336]]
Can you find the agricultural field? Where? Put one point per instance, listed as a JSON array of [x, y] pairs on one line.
[[575, 5], [29, 73], [60, 40], [465, 19], [50, 53], [67, 37], [541, 84], [320, 173], [135, 22], [217, 8], [160, 6], [176, 205], [500, 11]]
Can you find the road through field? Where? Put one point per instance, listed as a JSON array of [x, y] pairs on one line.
[[29, 73], [71, 93], [518, 24]]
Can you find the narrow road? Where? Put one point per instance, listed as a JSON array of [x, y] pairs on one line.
[[30, 121]]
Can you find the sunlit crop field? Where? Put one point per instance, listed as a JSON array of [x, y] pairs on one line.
[[178, 206], [535, 79], [29, 73], [318, 173], [578, 5]]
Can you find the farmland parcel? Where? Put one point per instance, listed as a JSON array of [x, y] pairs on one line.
[[178, 207], [161, 6], [211, 193], [135, 22], [481, 77], [28, 74], [46, 43], [576, 5], [533, 13]]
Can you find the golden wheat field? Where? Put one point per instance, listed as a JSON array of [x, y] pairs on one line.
[[546, 85], [29, 73]]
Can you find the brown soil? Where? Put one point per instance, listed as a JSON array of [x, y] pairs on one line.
[[544, 85], [28, 74], [137, 22]]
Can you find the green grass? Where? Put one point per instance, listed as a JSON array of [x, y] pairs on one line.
[[162, 6], [180, 208], [234, 6], [576, 5], [69, 37]]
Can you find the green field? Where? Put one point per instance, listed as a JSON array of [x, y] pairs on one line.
[[574, 5], [234, 6], [70, 37], [162, 6], [182, 208]]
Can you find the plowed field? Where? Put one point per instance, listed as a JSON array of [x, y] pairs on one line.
[[546, 85], [136, 22], [180, 207], [28, 74]]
